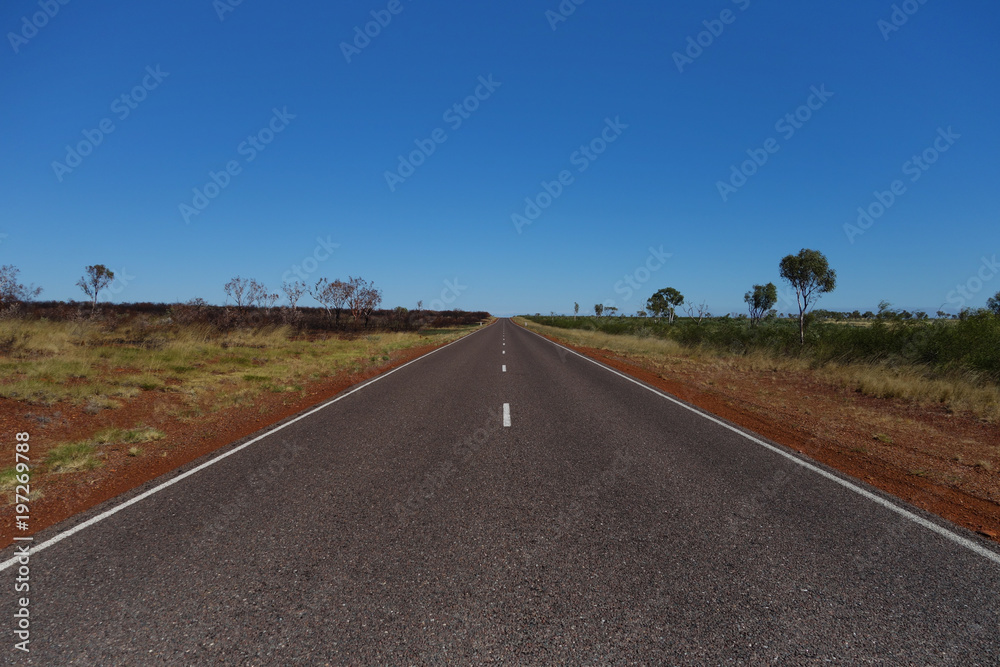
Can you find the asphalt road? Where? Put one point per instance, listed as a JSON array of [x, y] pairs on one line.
[[405, 524]]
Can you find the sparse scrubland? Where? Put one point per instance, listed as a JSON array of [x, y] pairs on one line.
[[127, 384], [99, 364], [954, 363]]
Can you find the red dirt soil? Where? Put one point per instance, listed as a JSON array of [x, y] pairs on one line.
[[836, 426], [64, 495]]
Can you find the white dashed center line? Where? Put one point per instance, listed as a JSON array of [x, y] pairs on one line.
[[506, 414], [505, 368]]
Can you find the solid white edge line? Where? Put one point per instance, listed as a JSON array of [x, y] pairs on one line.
[[506, 414], [114, 510], [905, 513]]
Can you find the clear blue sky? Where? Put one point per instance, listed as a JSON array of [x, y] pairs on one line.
[[656, 185]]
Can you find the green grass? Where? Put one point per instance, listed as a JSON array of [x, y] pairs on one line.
[[71, 457], [8, 479], [115, 435]]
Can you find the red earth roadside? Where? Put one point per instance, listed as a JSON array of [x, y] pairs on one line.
[[65, 495], [929, 457]]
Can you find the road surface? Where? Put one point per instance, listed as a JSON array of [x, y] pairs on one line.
[[503, 500]]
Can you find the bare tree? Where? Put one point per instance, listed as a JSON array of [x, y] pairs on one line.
[[370, 300], [11, 291], [294, 292], [699, 312], [340, 293], [357, 297], [257, 294], [268, 300], [238, 289], [332, 296], [322, 293], [97, 278]]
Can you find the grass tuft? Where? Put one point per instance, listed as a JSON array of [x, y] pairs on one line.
[[114, 435], [71, 457], [8, 479]]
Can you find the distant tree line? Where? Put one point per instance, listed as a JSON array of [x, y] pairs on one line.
[[808, 275], [248, 302]]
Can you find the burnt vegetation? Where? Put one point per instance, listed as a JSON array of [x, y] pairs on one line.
[[228, 317]]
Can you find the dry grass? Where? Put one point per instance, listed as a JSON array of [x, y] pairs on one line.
[[98, 367], [957, 393], [644, 346]]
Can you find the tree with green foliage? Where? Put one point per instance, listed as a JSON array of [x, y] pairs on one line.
[[665, 302], [598, 309], [97, 278], [993, 303], [760, 300], [576, 309], [810, 275]]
